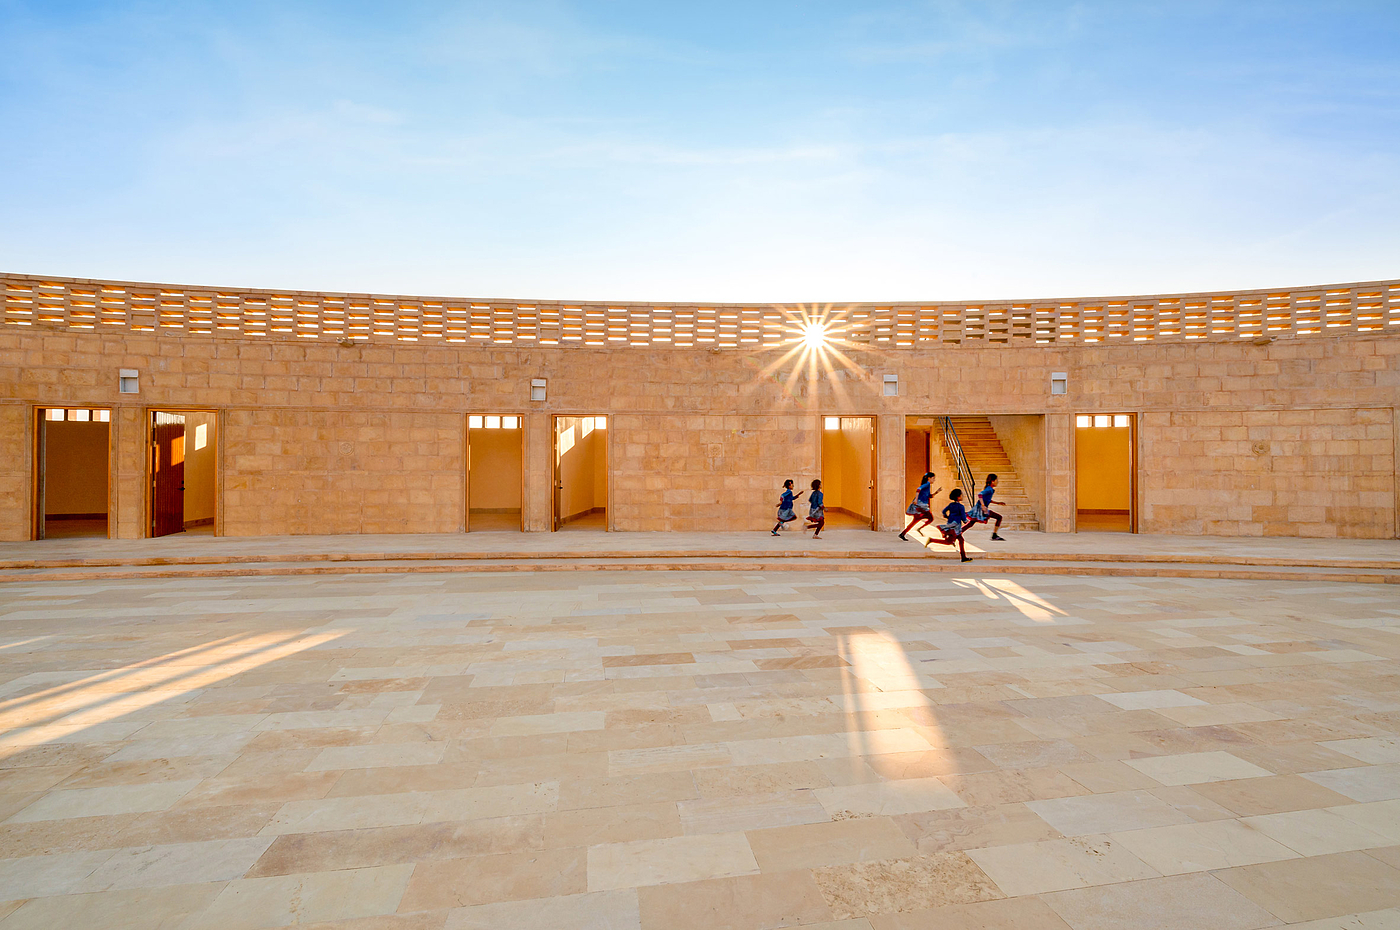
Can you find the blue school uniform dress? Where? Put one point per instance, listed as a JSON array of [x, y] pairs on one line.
[[785, 508], [920, 504], [984, 504], [956, 515], [818, 511]]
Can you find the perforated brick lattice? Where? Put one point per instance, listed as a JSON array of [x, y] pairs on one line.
[[99, 305]]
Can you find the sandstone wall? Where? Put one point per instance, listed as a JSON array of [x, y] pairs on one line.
[[717, 472], [317, 437], [296, 472], [1302, 472]]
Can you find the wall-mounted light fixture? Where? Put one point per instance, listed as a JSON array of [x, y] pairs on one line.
[[537, 389], [1059, 382], [128, 381], [891, 385]]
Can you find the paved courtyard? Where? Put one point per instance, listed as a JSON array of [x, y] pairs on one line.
[[711, 750]]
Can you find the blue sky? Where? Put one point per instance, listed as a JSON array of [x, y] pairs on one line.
[[802, 151]]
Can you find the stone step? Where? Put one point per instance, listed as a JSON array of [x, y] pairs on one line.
[[919, 559]]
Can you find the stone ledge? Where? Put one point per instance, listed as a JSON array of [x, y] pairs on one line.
[[719, 563]]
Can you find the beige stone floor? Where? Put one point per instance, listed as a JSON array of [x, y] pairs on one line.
[[494, 522], [588, 523], [75, 529], [1103, 523], [841, 751]]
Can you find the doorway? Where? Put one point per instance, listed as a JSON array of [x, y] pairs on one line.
[[1105, 472], [848, 470], [183, 469], [72, 456], [581, 473], [495, 472]]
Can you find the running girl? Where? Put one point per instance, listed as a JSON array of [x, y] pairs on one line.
[[920, 509], [982, 511], [785, 514], [956, 515], [816, 518]]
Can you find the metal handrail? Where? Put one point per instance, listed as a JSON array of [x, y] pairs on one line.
[[950, 441]]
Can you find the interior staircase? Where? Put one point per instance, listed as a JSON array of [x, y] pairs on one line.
[[985, 455]]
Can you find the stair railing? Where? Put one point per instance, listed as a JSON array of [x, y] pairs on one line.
[[950, 442]]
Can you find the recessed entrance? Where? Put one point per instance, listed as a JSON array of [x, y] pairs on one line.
[[495, 472], [581, 473], [73, 452], [1105, 473], [183, 468], [963, 450], [848, 470]]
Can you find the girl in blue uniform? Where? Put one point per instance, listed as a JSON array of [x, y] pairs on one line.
[[816, 517], [785, 514], [920, 509], [956, 515], [984, 512]]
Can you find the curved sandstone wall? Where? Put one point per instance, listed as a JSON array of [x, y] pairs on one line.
[[1258, 412]]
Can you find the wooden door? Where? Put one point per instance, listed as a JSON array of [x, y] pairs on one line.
[[1132, 473], [558, 477], [916, 460], [168, 476], [874, 474], [41, 465]]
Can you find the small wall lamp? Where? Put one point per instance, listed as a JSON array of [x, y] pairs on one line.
[[1059, 382], [891, 385], [537, 389], [128, 381]]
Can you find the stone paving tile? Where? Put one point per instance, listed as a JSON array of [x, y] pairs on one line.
[[839, 751], [1193, 768], [776, 899], [1368, 783], [1270, 795], [822, 844], [1054, 865], [600, 910], [450, 883], [133, 909], [668, 861], [895, 885], [1318, 886], [1199, 847], [1180, 902], [1028, 913], [1102, 813], [176, 864]]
